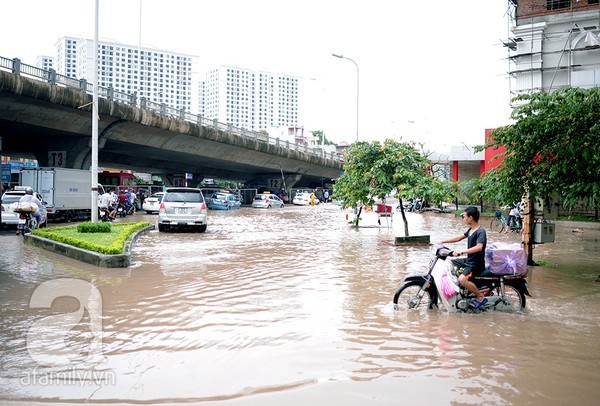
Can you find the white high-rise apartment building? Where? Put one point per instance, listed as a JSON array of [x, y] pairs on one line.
[[44, 62], [66, 56], [250, 99], [158, 75]]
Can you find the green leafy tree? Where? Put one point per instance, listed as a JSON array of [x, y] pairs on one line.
[[374, 170], [322, 138], [553, 147], [472, 191]]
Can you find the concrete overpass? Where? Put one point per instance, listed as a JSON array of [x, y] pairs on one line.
[[52, 120]]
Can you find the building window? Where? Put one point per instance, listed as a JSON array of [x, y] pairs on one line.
[[593, 1], [557, 4]]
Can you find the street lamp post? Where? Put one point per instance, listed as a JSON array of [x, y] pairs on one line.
[[94, 169], [357, 87]]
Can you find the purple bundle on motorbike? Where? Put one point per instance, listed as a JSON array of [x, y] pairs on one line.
[[506, 259]]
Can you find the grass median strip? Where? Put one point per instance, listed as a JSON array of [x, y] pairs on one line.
[[104, 243]]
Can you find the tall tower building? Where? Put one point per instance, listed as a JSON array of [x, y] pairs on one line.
[[554, 43], [66, 56], [245, 98], [44, 62], [158, 75]]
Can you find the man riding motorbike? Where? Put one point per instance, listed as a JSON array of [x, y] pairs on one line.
[[29, 197], [474, 264]]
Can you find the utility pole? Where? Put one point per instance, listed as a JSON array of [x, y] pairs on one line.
[[1, 181], [94, 170]]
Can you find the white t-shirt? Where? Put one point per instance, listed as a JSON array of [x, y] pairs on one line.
[[104, 200]]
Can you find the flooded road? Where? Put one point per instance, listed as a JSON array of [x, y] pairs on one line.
[[293, 306]]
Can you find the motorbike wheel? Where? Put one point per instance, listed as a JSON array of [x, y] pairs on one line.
[[406, 297], [496, 225], [514, 300], [30, 225]]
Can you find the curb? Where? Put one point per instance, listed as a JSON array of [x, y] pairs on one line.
[[95, 258], [584, 225]]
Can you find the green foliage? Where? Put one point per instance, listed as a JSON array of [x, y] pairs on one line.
[[546, 264], [374, 170], [227, 184], [322, 138], [553, 147], [105, 243], [89, 227]]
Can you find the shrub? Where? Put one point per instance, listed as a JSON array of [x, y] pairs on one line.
[[114, 245], [89, 227]]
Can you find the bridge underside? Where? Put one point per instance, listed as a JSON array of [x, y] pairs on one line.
[[40, 119]]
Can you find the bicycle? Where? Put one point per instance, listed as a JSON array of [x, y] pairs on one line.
[[499, 223]]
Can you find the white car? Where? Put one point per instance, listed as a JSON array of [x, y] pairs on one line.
[[182, 208], [9, 202], [152, 203], [266, 201], [303, 199]]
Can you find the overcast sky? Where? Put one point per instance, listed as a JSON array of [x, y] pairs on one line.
[[432, 71]]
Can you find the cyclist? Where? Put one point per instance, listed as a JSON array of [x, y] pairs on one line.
[[513, 217]]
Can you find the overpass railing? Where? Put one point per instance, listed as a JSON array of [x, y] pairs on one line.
[[51, 76]]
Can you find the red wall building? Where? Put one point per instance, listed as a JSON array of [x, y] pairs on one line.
[[490, 162]]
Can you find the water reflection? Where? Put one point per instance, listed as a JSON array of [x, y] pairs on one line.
[[294, 303]]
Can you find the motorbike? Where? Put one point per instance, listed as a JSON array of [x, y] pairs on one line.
[[503, 292], [26, 222], [121, 210], [413, 205], [103, 214], [131, 209], [127, 209], [408, 206]]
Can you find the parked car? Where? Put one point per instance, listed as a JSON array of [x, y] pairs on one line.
[[9, 201], [152, 203], [266, 201], [303, 199], [182, 208], [224, 201]]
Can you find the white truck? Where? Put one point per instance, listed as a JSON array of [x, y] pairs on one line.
[[66, 192]]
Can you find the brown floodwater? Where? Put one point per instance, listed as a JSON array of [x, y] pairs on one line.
[[293, 306]]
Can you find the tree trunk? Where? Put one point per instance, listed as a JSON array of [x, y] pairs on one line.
[[404, 219], [357, 218], [528, 222]]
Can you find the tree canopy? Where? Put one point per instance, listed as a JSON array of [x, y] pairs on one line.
[[322, 138], [553, 147], [374, 170]]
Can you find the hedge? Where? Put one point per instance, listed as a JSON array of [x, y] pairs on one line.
[[68, 235], [89, 227]]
